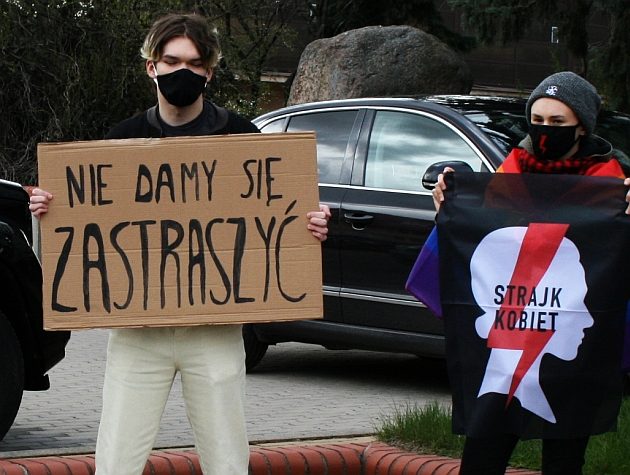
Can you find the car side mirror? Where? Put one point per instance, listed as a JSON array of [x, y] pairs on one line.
[[430, 177]]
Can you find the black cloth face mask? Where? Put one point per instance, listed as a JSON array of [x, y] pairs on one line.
[[551, 142], [182, 87]]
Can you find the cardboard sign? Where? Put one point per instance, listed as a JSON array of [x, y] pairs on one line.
[[180, 231]]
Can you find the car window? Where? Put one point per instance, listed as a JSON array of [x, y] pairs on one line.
[[333, 129], [403, 145], [275, 126]]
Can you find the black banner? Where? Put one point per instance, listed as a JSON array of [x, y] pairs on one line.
[[534, 291]]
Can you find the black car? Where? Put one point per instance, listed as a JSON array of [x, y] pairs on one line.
[[27, 352], [372, 156]]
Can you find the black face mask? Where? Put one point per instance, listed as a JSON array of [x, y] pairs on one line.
[[552, 142], [182, 87]]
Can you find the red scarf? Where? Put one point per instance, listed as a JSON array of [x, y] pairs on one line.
[[521, 161]]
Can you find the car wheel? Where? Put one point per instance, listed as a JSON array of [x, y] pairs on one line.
[[11, 375], [254, 348]]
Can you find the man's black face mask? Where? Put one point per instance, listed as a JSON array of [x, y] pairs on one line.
[[552, 142], [182, 87]]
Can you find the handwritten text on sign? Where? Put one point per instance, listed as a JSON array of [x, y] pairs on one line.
[[180, 231]]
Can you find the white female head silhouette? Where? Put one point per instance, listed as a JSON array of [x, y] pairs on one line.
[[530, 311]]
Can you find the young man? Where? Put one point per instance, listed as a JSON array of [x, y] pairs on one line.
[[181, 52]]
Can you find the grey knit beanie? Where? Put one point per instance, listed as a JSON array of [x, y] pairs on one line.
[[575, 91]]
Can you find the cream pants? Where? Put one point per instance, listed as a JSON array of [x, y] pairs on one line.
[[141, 367]]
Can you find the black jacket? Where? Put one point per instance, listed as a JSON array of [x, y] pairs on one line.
[[147, 124]]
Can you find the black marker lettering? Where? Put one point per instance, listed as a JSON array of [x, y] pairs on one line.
[[169, 249], [101, 185], [239, 249], [144, 251], [209, 175], [269, 178], [113, 236], [195, 243], [93, 233], [266, 237], [283, 225], [217, 263], [74, 186], [144, 175], [60, 269], [246, 165], [190, 174], [165, 179]]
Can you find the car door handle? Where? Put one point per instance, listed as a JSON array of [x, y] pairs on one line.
[[358, 220]]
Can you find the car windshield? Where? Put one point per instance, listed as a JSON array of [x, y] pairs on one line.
[[506, 129]]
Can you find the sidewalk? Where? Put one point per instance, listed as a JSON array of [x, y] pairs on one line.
[[287, 398], [363, 456]]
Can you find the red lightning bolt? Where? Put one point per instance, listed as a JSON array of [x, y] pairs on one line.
[[539, 246], [541, 143]]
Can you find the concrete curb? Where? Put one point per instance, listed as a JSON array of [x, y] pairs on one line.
[[344, 458]]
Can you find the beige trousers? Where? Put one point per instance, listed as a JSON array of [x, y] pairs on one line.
[[141, 367]]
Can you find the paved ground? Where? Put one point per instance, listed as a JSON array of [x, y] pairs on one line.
[[298, 391]]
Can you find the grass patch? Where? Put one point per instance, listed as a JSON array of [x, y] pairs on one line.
[[427, 430]]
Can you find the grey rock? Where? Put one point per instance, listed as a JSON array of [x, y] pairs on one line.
[[378, 61]]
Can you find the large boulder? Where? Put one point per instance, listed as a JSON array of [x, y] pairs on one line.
[[378, 61]]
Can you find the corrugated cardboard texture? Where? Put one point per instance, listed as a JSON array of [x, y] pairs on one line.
[[180, 231]]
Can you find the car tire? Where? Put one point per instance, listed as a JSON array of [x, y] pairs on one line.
[[254, 348], [11, 375]]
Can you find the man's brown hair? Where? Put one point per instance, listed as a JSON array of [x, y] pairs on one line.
[[192, 26]]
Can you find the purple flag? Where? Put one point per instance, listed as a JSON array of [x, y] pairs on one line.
[[424, 280]]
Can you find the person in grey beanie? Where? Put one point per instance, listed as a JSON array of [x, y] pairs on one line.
[[574, 91], [562, 113]]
